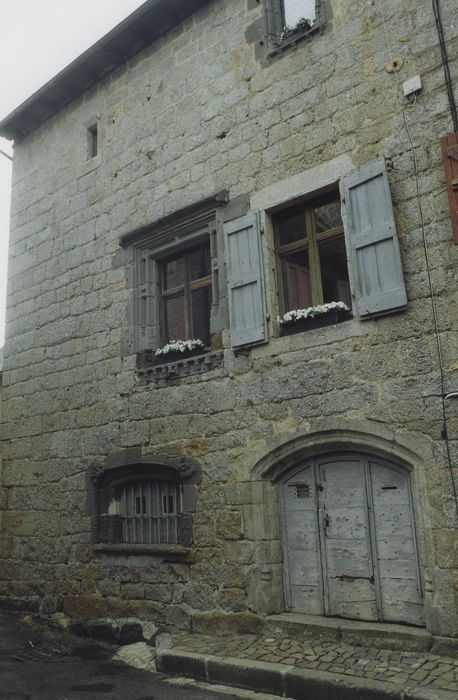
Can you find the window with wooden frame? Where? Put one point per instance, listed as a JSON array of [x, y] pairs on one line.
[[311, 253], [175, 281], [186, 294]]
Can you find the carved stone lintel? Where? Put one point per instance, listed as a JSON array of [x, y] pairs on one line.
[[97, 469], [185, 367], [187, 469]]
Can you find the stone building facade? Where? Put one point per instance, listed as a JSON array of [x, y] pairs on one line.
[[215, 174]]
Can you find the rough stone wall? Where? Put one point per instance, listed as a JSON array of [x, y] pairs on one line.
[[70, 397]]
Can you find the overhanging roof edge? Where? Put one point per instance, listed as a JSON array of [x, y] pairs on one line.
[[21, 121]]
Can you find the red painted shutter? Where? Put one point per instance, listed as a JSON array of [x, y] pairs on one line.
[[449, 145]]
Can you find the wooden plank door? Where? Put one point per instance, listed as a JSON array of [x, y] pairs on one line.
[[395, 546], [302, 567], [349, 580]]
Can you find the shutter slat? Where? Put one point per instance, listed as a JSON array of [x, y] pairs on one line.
[[449, 147], [245, 280], [374, 247]]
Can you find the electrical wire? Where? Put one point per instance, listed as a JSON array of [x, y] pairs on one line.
[[445, 63], [428, 267]]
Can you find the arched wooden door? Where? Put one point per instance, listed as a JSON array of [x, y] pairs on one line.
[[348, 539]]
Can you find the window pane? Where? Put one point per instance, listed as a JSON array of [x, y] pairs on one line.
[[334, 271], [174, 319], [295, 10], [173, 271], [140, 505], [328, 217], [296, 280], [199, 262], [201, 300], [292, 227]]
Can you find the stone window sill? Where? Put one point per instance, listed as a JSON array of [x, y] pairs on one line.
[[90, 165], [169, 552], [149, 370], [293, 39]]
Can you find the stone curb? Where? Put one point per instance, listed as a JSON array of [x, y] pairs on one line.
[[285, 681]]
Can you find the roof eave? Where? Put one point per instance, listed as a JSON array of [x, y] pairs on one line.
[[139, 30]]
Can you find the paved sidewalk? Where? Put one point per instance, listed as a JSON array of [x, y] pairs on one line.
[[396, 674]]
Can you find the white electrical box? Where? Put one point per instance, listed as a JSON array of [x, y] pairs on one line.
[[412, 85]]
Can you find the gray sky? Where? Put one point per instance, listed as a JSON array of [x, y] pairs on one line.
[[37, 39]]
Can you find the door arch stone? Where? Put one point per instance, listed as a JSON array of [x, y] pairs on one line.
[[348, 539]]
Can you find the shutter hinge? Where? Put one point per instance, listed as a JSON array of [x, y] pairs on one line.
[[454, 184], [261, 231]]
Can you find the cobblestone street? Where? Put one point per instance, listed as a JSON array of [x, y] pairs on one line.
[[401, 669]]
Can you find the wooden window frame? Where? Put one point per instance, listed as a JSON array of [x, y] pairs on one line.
[[145, 247], [311, 247], [185, 289]]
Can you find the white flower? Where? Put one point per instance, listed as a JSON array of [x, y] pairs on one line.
[[180, 346], [312, 311]]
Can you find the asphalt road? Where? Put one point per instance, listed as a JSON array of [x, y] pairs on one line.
[[80, 679], [35, 665]]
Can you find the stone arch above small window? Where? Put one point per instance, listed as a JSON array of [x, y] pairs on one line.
[[143, 500]]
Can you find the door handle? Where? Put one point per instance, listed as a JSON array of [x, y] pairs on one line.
[[326, 523]]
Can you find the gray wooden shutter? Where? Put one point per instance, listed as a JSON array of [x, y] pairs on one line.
[[371, 231], [147, 304], [245, 280]]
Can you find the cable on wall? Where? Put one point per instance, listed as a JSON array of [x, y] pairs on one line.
[[428, 266], [445, 63]]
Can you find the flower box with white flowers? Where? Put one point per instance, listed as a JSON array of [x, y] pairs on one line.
[[179, 350], [303, 25], [328, 314]]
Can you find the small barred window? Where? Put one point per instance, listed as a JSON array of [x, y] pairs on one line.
[[143, 503], [143, 512]]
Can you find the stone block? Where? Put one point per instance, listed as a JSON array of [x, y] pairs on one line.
[[199, 595], [181, 664], [130, 633], [226, 624], [84, 607], [229, 525], [260, 677], [446, 548], [231, 600], [261, 521]]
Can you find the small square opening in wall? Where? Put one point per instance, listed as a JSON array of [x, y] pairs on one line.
[[92, 141]]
